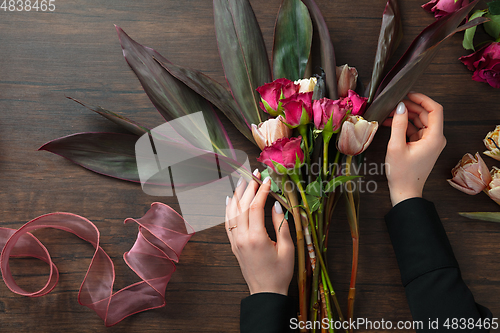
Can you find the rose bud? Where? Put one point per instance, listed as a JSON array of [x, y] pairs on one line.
[[324, 110], [306, 85], [494, 185], [356, 135], [284, 155], [347, 78], [470, 175], [492, 142], [269, 131], [298, 109], [485, 63], [444, 7], [272, 94]]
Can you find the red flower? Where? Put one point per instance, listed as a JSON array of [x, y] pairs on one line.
[[354, 102], [444, 7], [272, 93], [486, 64], [283, 155], [298, 109], [326, 109]]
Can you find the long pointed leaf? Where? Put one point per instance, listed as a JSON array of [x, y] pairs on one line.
[[292, 40], [419, 55], [484, 216], [117, 155], [391, 34], [122, 121], [243, 54], [327, 54], [170, 96], [213, 91]]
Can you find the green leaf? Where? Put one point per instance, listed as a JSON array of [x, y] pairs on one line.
[[243, 54], [292, 40], [335, 182], [214, 92], [173, 98], [483, 216], [314, 202], [391, 34], [122, 121], [494, 7], [399, 81], [468, 42], [326, 48], [315, 188], [493, 26], [274, 187]]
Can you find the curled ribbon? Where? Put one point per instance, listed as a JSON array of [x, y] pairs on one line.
[[162, 235]]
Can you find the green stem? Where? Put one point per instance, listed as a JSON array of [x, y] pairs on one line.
[[325, 159], [328, 305]]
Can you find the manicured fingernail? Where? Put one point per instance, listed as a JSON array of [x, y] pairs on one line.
[[401, 109], [266, 180], [227, 200], [255, 172], [239, 182], [277, 208]]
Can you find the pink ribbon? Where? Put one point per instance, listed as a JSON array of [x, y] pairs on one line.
[[162, 235]]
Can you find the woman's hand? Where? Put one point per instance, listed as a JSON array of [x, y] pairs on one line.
[[408, 164], [267, 266]]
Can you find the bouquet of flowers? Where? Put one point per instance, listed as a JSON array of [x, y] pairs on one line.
[[306, 127]]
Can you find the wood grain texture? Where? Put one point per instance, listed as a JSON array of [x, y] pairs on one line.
[[75, 52]]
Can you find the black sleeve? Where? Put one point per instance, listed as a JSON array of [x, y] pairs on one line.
[[266, 313], [429, 271]]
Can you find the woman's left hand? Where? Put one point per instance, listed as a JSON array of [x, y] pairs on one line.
[[267, 266]]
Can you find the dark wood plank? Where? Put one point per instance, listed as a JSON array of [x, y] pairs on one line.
[[74, 51]]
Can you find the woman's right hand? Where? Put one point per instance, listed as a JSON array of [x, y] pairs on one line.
[[409, 163]]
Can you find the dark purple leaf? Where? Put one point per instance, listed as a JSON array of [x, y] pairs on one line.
[[243, 55], [213, 91], [116, 155], [419, 55], [327, 54], [391, 34], [122, 121], [170, 96], [292, 40]]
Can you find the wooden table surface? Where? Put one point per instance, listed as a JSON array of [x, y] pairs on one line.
[[74, 51]]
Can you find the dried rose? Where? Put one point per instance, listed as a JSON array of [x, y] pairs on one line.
[[306, 85], [493, 189], [492, 142], [272, 93], [486, 64], [347, 78], [269, 131], [470, 175], [298, 109], [284, 155], [356, 135], [444, 7]]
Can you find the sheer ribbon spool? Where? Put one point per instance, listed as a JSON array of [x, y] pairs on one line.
[[162, 235]]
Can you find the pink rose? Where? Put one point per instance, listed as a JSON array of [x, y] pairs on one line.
[[354, 102], [470, 175], [298, 109], [283, 155], [444, 7], [486, 64], [493, 188], [326, 109], [272, 93]]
